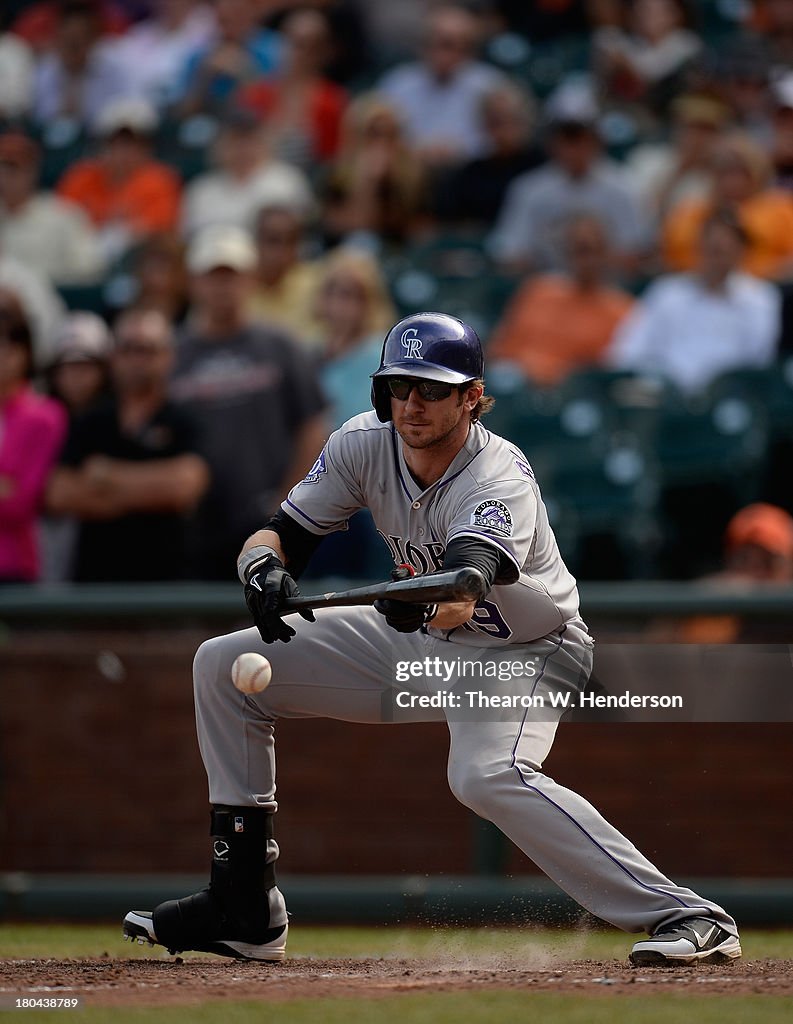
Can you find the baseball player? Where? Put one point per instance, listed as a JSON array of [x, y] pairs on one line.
[[445, 493]]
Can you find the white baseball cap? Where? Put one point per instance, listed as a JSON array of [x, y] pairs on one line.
[[221, 246], [82, 337], [130, 113]]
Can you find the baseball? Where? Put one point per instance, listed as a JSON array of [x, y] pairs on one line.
[[251, 673]]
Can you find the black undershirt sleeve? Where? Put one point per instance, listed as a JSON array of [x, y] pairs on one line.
[[298, 543], [464, 552]]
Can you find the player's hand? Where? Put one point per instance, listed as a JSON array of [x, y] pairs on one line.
[[267, 587], [404, 616]]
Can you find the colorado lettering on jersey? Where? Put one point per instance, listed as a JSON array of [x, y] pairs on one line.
[[493, 515], [423, 557]]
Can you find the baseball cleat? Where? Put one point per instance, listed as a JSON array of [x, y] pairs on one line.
[[696, 940], [268, 946]]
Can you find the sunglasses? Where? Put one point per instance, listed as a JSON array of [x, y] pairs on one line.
[[134, 348], [429, 390]]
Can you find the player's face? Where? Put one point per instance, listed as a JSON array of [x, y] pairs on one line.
[[424, 423]]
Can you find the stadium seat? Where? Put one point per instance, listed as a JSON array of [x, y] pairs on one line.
[[719, 436], [185, 145], [63, 142], [607, 503]]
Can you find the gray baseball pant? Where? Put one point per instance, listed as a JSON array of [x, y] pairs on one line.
[[343, 667]]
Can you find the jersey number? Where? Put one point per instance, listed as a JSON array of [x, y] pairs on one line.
[[488, 619]]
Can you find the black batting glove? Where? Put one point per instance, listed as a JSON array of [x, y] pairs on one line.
[[267, 587], [404, 616]]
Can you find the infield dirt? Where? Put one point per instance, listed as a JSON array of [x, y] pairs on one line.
[[159, 982]]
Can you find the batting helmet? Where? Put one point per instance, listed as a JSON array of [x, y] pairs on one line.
[[431, 346]]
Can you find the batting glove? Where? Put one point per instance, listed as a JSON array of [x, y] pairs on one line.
[[267, 587], [404, 616]]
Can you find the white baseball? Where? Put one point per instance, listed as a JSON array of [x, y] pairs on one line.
[[251, 672]]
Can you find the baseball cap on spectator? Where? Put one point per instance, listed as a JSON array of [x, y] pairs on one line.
[[782, 91], [82, 338], [573, 105], [221, 246], [766, 526], [18, 149], [126, 114]]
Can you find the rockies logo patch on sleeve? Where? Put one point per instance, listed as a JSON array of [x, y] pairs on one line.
[[493, 515], [316, 470]]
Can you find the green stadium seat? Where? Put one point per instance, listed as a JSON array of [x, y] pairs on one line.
[[185, 145], [718, 437]]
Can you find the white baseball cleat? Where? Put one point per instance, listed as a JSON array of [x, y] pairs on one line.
[[139, 925], [695, 940]]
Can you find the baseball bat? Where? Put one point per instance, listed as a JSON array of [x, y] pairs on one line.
[[456, 585]]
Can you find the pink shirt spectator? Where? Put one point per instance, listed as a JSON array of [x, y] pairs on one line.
[[32, 429]]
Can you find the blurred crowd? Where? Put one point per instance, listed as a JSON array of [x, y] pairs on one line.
[[212, 210]]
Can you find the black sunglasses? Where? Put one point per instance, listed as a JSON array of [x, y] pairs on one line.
[[429, 390]]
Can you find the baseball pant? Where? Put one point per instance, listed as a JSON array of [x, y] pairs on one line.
[[343, 667]]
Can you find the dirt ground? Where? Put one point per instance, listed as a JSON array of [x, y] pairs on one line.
[[157, 982]]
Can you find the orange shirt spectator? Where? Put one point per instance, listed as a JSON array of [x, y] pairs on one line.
[[767, 219], [741, 175], [301, 107], [322, 107], [148, 200], [559, 323], [124, 191]]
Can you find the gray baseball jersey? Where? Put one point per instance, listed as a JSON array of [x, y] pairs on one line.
[[488, 492]]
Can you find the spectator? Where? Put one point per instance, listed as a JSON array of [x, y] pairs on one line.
[[559, 323], [160, 276], [79, 77], [473, 193], [692, 327], [17, 70], [376, 189], [643, 65], [246, 177], [354, 312], [286, 282], [759, 545], [664, 174], [439, 97], [127, 194], [130, 471], [303, 109], [79, 373], [38, 23], [31, 432], [576, 179], [50, 235], [255, 394], [41, 305], [782, 143], [743, 75], [741, 182], [153, 52], [394, 31], [758, 553], [79, 378], [774, 20], [240, 53]]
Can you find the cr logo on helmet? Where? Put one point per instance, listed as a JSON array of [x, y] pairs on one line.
[[411, 343]]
